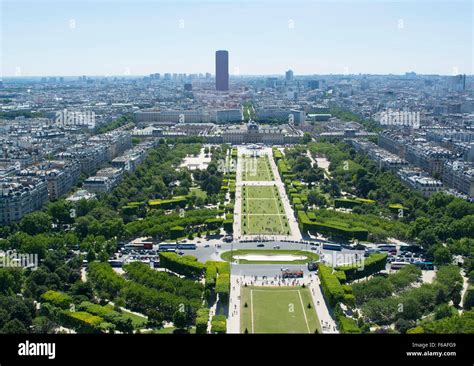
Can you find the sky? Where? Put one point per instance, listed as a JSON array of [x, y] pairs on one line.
[[263, 37]]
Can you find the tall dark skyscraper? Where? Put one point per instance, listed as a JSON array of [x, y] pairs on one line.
[[222, 70]]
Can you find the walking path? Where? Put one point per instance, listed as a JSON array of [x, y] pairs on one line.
[[233, 320], [322, 163], [212, 313], [328, 325]]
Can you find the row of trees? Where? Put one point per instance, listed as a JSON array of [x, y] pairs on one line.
[[158, 305]]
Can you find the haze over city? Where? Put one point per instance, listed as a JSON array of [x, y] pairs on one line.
[[61, 38]]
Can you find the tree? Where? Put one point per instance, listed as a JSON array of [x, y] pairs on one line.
[[10, 280], [443, 311], [441, 255], [155, 318], [36, 223], [124, 325], [60, 212], [180, 320], [43, 325], [14, 326], [402, 325], [410, 309], [306, 138]]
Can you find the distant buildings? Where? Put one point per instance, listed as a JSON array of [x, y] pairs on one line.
[[313, 84], [289, 75], [228, 115], [189, 116], [222, 70], [254, 133], [280, 115]]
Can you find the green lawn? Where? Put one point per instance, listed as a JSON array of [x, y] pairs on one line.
[[198, 192], [277, 310], [229, 256], [256, 169], [263, 212]]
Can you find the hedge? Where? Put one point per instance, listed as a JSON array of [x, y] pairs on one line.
[[176, 232], [331, 286], [187, 265], [349, 300], [346, 203], [374, 263], [277, 155], [215, 223], [330, 229], [397, 206], [81, 321], [210, 277], [341, 276], [347, 289], [202, 317], [219, 324], [168, 204], [222, 281], [347, 325], [56, 298], [223, 287], [107, 314]]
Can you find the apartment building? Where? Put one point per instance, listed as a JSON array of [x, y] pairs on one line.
[[20, 196], [420, 181], [460, 176], [104, 181], [428, 157], [60, 175], [383, 158]]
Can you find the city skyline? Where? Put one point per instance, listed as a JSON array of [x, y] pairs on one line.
[[69, 39]]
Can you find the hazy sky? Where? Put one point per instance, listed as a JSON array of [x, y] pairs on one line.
[[104, 37]]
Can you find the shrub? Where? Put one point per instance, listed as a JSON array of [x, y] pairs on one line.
[[416, 330], [81, 321], [347, 325], [335, 229], [349, 300], [341, 276], [186, 265], [374, 263], [331, 286], [223, 287], [219, 324], [202, 317], [176, 232], [58, 299]]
